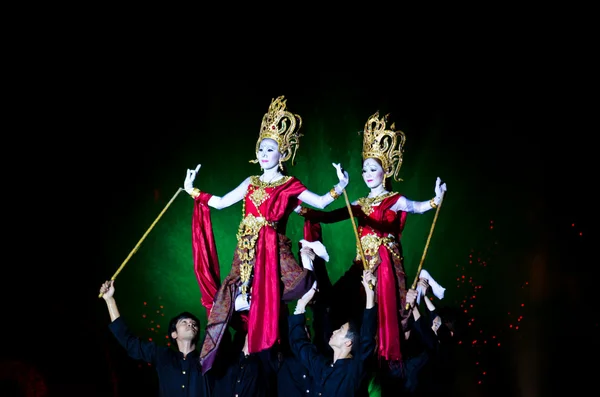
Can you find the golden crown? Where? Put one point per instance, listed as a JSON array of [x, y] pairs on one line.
[[282, 126], [386, 145]]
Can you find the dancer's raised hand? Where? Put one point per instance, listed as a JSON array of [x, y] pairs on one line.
[[190, 176], [342, 175]]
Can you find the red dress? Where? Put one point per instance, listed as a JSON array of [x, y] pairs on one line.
[[380, 229], [263, 260]]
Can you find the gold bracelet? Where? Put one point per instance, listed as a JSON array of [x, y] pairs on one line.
[[432, 203], [333, 193], [195, 193]]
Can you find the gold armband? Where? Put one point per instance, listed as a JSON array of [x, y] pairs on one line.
[[195, 193], [432, 203], [333, 193]]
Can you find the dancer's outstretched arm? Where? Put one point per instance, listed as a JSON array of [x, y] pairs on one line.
[[216, 202]]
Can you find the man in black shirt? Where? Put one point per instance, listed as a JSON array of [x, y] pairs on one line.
[[342, 375], [293, 378], [179, 372], [238, 373], [436, 374]]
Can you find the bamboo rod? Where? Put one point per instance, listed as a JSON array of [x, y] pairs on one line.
[[437, 211], [139, 243]]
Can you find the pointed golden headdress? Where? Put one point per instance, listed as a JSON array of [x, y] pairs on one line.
[[282, 126], [386, 145]]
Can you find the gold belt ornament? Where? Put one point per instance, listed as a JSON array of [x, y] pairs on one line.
[[370, 244], [249, 226]]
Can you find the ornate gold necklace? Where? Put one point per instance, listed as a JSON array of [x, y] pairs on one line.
[[257, 191], [366, 203]]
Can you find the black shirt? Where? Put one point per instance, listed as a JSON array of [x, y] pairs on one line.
[[344, 377], [239, 375], [438, 374], [244, 376], [178, 376], [293, 378]]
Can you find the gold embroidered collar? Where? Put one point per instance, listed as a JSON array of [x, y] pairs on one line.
[[258, 193], [255, 180], [366, 203]]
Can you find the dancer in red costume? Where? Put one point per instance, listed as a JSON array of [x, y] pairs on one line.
[[380, 219], [264, 274]]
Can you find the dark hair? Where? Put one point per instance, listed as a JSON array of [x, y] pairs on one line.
[[353, 333], [444, 335], [182, 316], [238, 340], [454, 320]]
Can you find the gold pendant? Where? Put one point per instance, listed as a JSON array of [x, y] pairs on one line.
[[366, 203], [259, 196]]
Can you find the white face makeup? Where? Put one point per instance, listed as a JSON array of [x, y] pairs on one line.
[[268, 154], [372, 173]]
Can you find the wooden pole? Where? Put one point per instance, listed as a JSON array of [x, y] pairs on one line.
[[358, 244], [437, 211], [137, 246]]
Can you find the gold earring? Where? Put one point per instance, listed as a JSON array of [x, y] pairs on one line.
[[280, 164]]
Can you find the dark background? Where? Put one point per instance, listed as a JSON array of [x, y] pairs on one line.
[[513, 147]]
